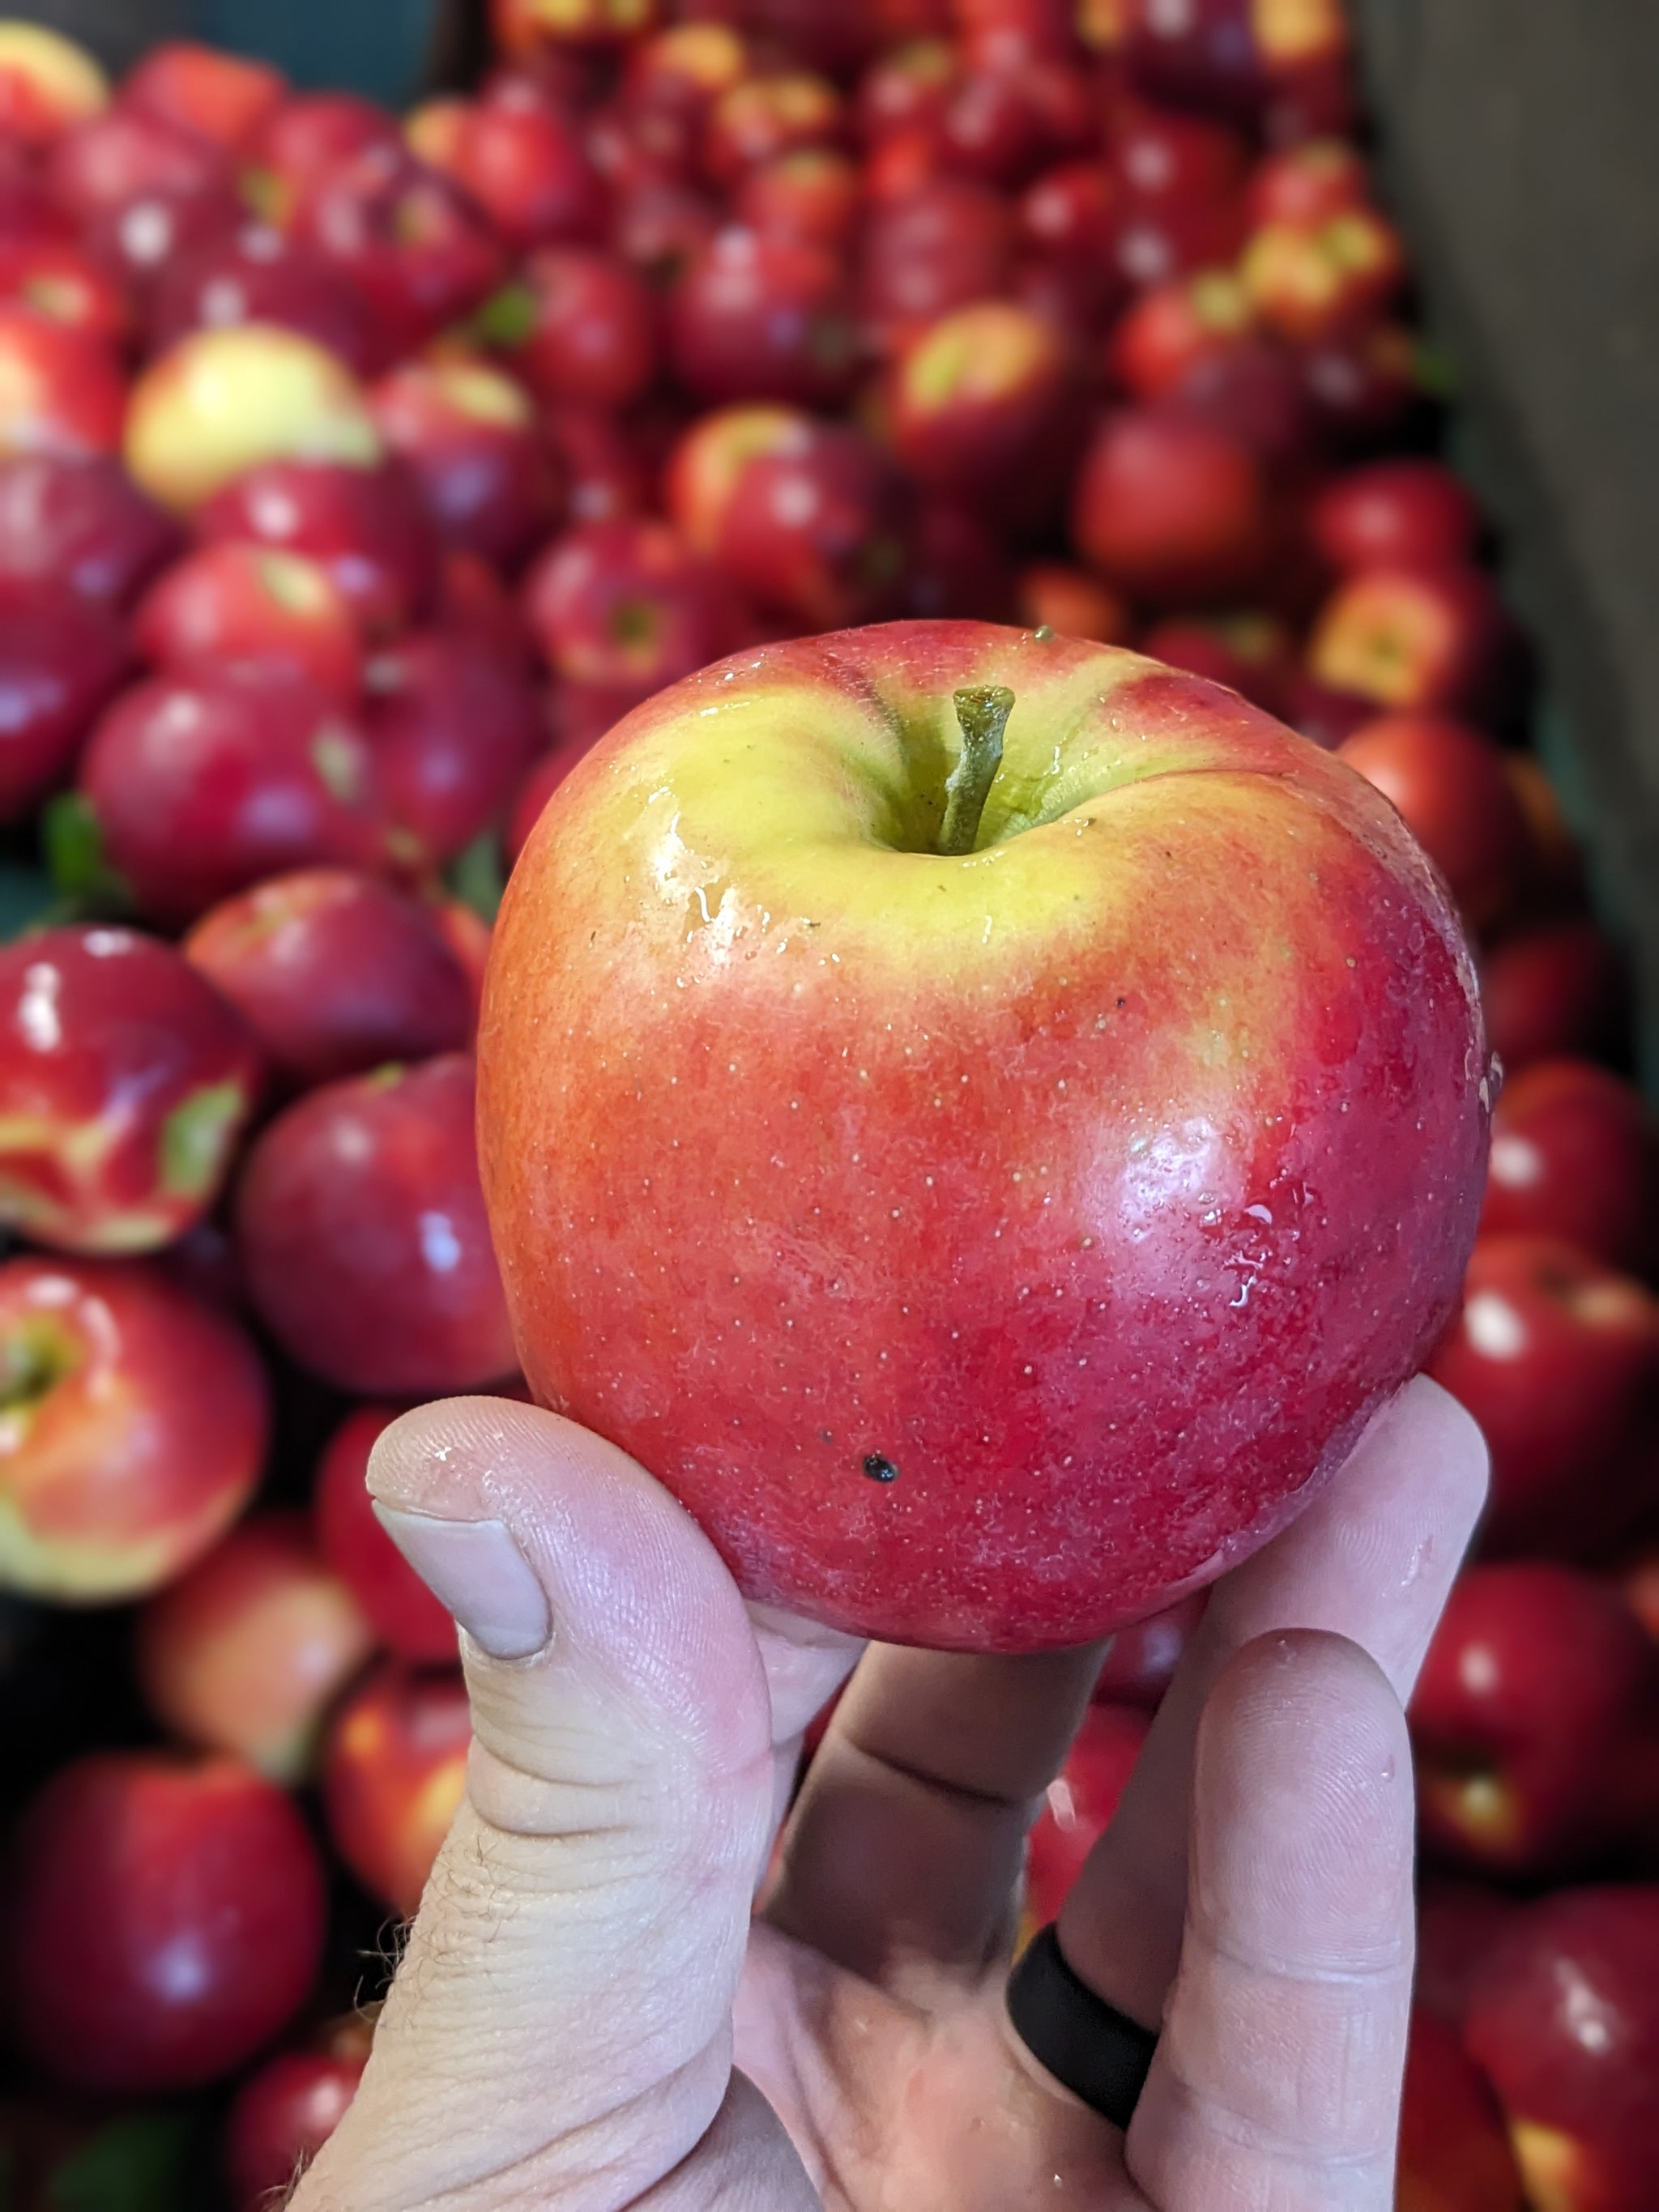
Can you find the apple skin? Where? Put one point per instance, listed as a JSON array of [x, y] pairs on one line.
[[1455, 2152], [394, 1774], [1072, 602], [1537, 1687], [245, 1653], [220, 96], [937, 246], [1307, 183], [361, 1229], [252, 607], [1170, 507], [61, 391], [1574, 1154], [285, 2112], [61, 659], [586, 333], [968, 398], [403, 1612], [1397, 513], [370, 528], [167, 1920], [335, 973], [757, 317], [257, 274], [113, 161], [80, 524], [1417, 638], [1558, 1358], [64, 285], [1564, 2020], [524, 164], [1458, 1922], [1107, 1157], [306, 134], [126, 1084], [1557, 988], [1156, 344], [1448, 781], [453, 729], [813, 196], [47, 85], [628, 606], [139, 1437], [1079, 1805], [1314, 281], [469, 435]]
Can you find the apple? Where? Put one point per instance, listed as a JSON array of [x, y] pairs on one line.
[[394, 1774], [203, 783], [79, 522], [951, 1462], [63, 284], [1397, 513], [1565, 2021], [249, 608], [524, 164], [453, 729], [61, 659], [370, 527], [1558, 1358], [1455, 2152], [754, 317], [126, 1084], [220, 96], [524, 27], [1171, 327], [1366, 384], [1559, 987], [1203, 54], [580, 326], [1321, 713], [813, 197], [628, 605], [684, 66], [361, 1228], [1249, 652], [246, 1652], [255, 273], [1068, 215], [1071, 603], [1434, 639], [221, 402], [1309, 282], [47, 85], [954, 565], [1167, 507], [1005, 119], [1252, 389], [27, 210], [1458, 1922], [475, 600], [286, 2111], [1448, 781], [335, 973], [61, 391], [1161, 154], [470, 437], [307, 134], [1155, 241], [167, 1920], [906, 89], [1307, 183], [1574, 1155], [134, 1433], [1141, 1662], [660, 227], [765, 115], [115, 160], [968, 398], [405, 1616], [1079, 1805], [940, 246], [1537, 1687]]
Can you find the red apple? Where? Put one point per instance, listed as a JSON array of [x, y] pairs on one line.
[[245, 1653], [939, 246], [1310, 283], [1447, 780], [1308, 182], [307, 134], [1639, 1581], [761, 318], [1321, 713], [969, 398], [135, 1432], [47, 85], [405, 1616], [1574, 1155], [202, 784], [1250, 652], [61, 391], [1069, 214], [249, 608], [1458, 1922], [167, 1920], [113, 161], [1434, 639], [335, 973], [530, 27], [580, 326], [61, 659], [906, 89], [1072, 604], [222, 402], [286, 2111], [1558, 1358], [1537, 1688], [80, 522], [453, 729], [1167, 507], [1140, 1665], [256, 273], [361, 1229], [470, 437], [394, 1774], [1557, 988], [1172, 327], [1455, 2152], [941, 1463], [684, 66], [1079, 1805], [660, 227], [524, 164], [954, 565], [1366, 384], [1252, 390], [1395, 514], [1160, 154], [628, 605], [219, 96], [764, 115], [1006, 117], [813, 197], [1203, 54], [125, 1083], [370, 528], [62, 284], [476, 601], [1565, 2021]]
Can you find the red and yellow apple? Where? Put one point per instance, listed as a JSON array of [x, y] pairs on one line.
[[984, 1118]]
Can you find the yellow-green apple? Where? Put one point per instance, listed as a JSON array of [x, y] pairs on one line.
[[47, 84], [984, 1117], [132, 1428], [221, 402]]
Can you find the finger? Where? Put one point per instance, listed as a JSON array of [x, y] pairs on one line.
[[905, 1845], [1372, 1559], [804, 1666], [1277, 2076], [559, 2030]]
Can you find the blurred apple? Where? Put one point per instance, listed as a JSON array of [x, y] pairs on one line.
[[249, 608], [47, 84], [470, 436], [1557, 988], [61, 659], [1437, 639], [1169, 508], [394, 1774], [1448, 782], [1455, 2152], [1396, 513], [1574, 1155], [62, 392], [630, 605], [286, 2111], [452, 728], [369, 527], [221, 96]]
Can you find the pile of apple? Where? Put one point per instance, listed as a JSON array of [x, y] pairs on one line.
[[355, 475]]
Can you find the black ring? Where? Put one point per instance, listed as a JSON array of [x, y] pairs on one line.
[[1088, 2045]]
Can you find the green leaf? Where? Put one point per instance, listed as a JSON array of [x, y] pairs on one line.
[[132, 2165], [72, 842], [508, 318], [478, 875]]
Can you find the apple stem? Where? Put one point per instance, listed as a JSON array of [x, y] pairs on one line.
[[983, 711]]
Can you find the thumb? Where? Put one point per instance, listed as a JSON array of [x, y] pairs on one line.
[[560, 2028]]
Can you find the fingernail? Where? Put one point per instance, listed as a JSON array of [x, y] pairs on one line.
[[475, 1568]]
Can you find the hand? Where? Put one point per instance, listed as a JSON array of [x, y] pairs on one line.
[[585, 2016]]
